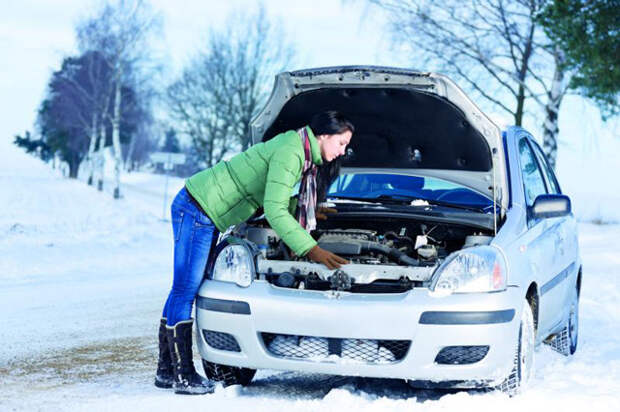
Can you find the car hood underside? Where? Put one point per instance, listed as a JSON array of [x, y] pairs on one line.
[[413, 123]]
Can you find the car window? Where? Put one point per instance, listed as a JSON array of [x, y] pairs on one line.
[[553, 185], [533, 183], [374, 185]]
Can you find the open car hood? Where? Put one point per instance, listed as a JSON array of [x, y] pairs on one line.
[[405, 121]]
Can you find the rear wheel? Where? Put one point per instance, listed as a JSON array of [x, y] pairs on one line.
[[565, 341], [523, 362], [228, 375]]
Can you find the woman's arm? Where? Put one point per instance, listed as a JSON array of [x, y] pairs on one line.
[[285, 168]]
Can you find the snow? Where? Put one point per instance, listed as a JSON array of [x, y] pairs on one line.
[[588, 165], [73, 258], [84, 277]]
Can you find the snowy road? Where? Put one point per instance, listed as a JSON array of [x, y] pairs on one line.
[[83, 279]]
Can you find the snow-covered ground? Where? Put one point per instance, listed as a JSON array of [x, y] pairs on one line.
[[83, 278]]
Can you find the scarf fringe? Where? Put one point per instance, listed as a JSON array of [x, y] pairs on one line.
[[306, 205]]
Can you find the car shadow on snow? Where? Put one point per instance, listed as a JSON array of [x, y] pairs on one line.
[[317, 386]]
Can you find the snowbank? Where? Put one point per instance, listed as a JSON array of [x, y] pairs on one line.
[[72, 257]]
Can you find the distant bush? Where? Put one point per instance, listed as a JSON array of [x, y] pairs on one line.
[[36, 147]]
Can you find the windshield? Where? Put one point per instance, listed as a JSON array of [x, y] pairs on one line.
[[395, 186]]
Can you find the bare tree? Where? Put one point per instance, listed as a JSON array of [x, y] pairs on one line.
[[555, 93], [258, 51], [70, 116], [137, 131], [495, 47], [121, 33], [225, 86], [142, 144], [200, 105], [86, 83]]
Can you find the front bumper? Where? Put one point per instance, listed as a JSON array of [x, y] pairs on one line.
[[429, 323]]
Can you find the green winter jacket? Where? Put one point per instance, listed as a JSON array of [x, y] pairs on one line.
[[264, 175]]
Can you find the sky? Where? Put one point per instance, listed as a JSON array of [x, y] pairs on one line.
[[36, 35]]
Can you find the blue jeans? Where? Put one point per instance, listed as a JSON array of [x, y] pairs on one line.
[[194, 233]]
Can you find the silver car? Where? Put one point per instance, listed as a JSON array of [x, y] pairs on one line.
[[463, 248]]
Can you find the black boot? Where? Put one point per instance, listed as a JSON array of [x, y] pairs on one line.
[[163, 377], [186, 380]]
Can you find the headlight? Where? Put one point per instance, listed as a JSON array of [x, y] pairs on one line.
[[234, 264], [478, 269]]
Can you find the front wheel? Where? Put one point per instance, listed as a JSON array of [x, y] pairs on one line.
[[523, 362], [228, 375], [565, 341]]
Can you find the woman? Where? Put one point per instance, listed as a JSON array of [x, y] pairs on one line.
[[229, 193]]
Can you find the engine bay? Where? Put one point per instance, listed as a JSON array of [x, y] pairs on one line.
[[377, 242], [385, 254]]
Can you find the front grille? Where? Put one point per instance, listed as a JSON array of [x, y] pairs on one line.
[[221, 340], [331, 349], [313, 282], [461, 355]]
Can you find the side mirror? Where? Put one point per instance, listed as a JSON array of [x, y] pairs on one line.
[[546, 206]]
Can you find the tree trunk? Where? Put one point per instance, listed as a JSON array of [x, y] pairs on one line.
[[116, 140], [74, 165], [552, 108], [91, 150], [527, 53], [99, 158], [520, 106]]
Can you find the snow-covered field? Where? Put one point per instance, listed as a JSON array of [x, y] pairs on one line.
[[83, 278]]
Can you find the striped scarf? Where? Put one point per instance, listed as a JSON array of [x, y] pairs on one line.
[[306, 204]]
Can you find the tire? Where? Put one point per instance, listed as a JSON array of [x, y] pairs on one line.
[[228, 375], [565, 341], [523, 361]]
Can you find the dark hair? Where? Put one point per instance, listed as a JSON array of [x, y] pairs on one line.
[[330, 122]]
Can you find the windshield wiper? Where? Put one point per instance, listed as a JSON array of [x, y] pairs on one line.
[[409, 199], [404, 199], [359, 199]]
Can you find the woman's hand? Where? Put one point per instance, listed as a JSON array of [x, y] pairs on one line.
[[322, 212], [327, 258]]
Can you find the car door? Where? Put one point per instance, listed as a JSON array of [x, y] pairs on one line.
[[539, 239], [565, 232]]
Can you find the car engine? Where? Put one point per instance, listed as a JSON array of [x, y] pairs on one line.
[[366, 246], [385, 256]]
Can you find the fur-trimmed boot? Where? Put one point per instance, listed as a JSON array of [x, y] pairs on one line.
[[163, 376], [185, 378]]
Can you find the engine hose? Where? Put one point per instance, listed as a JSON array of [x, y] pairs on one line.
[[392, 234], [395, 254]]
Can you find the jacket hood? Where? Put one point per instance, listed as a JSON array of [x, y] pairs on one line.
[[416, 123]]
